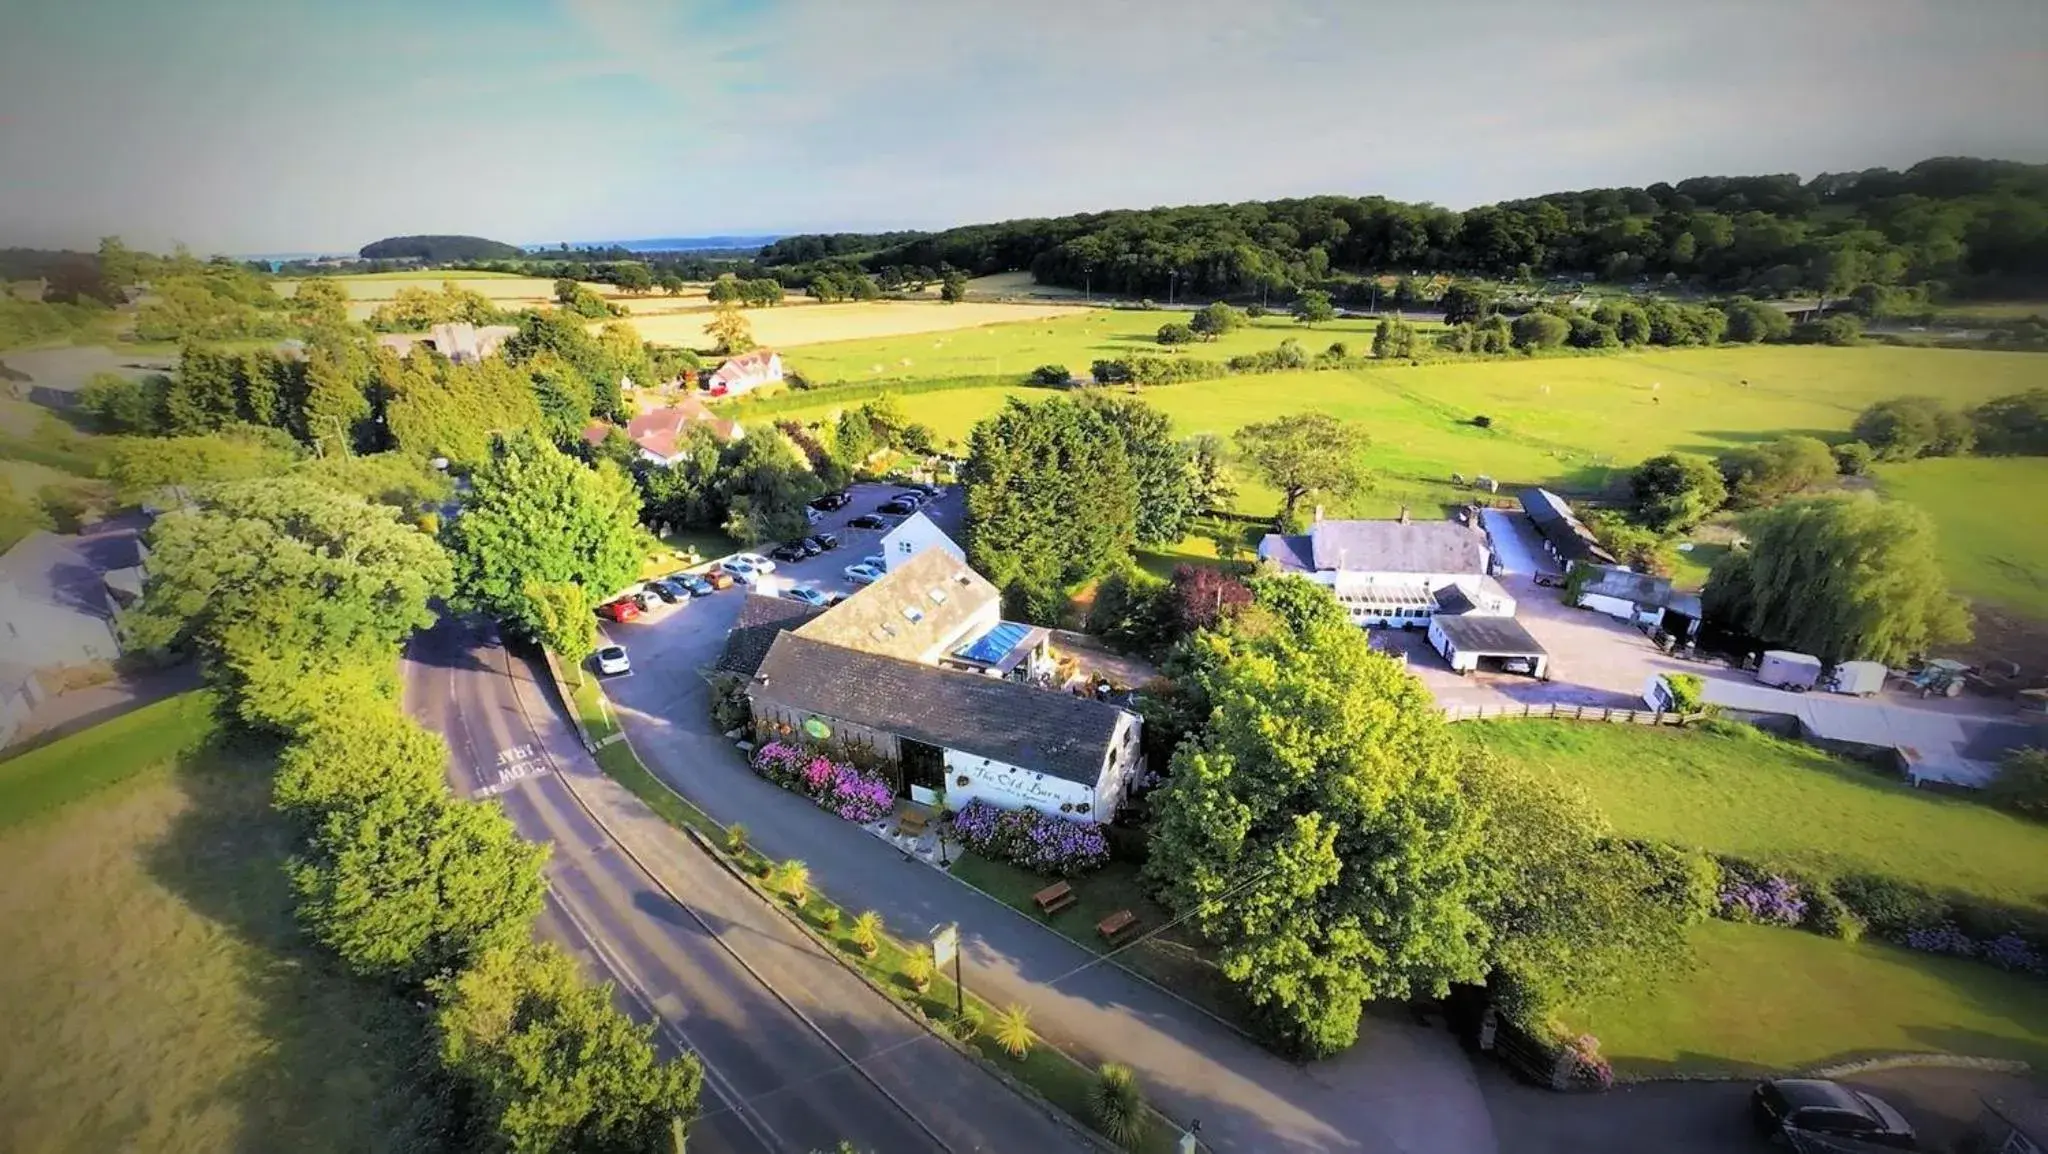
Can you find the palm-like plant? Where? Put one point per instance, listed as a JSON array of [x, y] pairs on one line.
[[735, 839], [1012, 1030], [867, 933], [918, 968], [791, 879], [1119, 1105]]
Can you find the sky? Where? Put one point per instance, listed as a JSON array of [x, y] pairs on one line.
[[253, 126]]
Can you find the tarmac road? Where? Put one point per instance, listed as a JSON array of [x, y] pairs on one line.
[[774, 1020]]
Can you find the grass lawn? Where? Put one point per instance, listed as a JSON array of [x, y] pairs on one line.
[[1760, 797], [807, 323], [158, 994], [592, 709], [1764, 998], [709, 544], [1173, 959], [1977, 502], [48, 777]]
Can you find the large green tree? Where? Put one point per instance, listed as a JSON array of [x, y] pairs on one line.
[[1162, 466], [359, 748], [1845, 578], [281, 584], [1676, 491], [1306, 455], [1314, 827], [767, 483], [1052, 500], [1903, 428], [553, 1065], [2016, 423], [536, 515], [1758, 475], [409, 887], [1313, 308]]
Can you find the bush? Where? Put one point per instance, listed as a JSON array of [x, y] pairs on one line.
[[1852, 458], [1840, 329], [836, 786], [1892, 908], [1589, 1068], [918, 968], [1012, 1031], [1255, 311], [828, 917], [1175, 333], [2022, 783], [1764, 899], [1051, 375], [867, 933], [966, 1024], [1042, 843], [736, 839], [1119, 1105], [1829, 916], [1688, 881], [1688, 691], [1482, 421]]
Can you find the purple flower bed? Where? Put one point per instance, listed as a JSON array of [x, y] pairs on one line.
[[1771, 901], [1036, 841], [835, 786]]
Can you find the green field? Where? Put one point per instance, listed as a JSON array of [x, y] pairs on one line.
[[1073, 341], [157, 992], [1572, 422], [1984, 505], [1740, 791], [1766, 999]]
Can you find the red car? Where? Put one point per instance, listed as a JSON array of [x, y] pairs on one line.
[[624, 609]]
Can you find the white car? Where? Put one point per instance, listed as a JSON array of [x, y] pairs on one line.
[[808, 596], [741, 572], [760, 563], [612, 660], [862, 574], [877, 562]]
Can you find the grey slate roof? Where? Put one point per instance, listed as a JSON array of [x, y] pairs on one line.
[[1553, 518], [1639, 588], [1292, 554], [922, 603], [70, 573], [1036, 729], [1394, 547], [1493, 636], [761, 621]]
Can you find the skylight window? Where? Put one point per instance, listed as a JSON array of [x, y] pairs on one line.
[[938, 595], [913, 614]]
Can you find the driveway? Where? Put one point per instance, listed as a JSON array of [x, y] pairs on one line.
[[1404, 1087]]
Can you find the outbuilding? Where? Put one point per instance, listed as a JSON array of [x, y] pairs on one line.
[[1472, 642]]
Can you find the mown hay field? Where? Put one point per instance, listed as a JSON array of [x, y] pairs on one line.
[[804, 323]]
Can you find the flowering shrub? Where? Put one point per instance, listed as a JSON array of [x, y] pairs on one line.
[[1943, 939], [2013, 952], [1589, 1069], [1770, 900], [1036, 841], [837, 787]]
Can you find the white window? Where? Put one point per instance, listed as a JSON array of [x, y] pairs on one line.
[[903, 547], [938, 595], [913, 614]]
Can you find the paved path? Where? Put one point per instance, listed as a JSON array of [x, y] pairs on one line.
[[774, 1018], [1403, 1088]]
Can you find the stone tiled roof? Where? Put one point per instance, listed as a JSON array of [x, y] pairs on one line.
[[921, 603], [761, 621], [1036, 729], [1397, 547]]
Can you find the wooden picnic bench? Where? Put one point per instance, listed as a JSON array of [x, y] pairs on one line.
[[1116, 924], [1054, 898]]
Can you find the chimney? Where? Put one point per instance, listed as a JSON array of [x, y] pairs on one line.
[[1404, 514], [1319, 514]]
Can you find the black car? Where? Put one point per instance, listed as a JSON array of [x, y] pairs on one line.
[[867, 521], [789, 551], [930, 492], [916, 497], [1813, 1106], [831, 501], [897, 508], [826, 542], [666, 591], [697, 585]]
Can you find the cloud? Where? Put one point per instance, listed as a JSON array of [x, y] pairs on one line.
[[272, 124]]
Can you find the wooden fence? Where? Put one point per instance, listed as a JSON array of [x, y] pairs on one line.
[[1567, 713]]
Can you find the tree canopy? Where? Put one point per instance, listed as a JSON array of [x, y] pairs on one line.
[[1052, 497], [1314, 827], [433, 249], [1845, 578], [536, 515], [1903, 428], [1309, 454], [1676, 491]]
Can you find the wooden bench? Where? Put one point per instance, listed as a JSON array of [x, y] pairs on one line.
[[911, 822], [1054, 898], [1116, 924]]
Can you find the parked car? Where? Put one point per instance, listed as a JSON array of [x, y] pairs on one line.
[[812, 515], [789, 551], [931, 492], [644, 600], [1550, 580], [1814, 1106], [745, 573], [867, 521], [914, 496], [669, 591], [623, 610], [876, 562], [759, 562], [612, 659], [832, 501], [716, 578], [862, 574], [808, 596], [695, 585], [897, 507], [1522, 665], [826, 542]]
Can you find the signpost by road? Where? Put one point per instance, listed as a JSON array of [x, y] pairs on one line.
[[945, 947]]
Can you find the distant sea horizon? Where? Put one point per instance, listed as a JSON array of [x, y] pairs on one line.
[[719, 243]]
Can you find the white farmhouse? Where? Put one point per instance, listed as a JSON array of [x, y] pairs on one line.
[[916, 534], [1400, 573]]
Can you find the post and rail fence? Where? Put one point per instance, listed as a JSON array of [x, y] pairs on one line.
[[1568, 713]]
